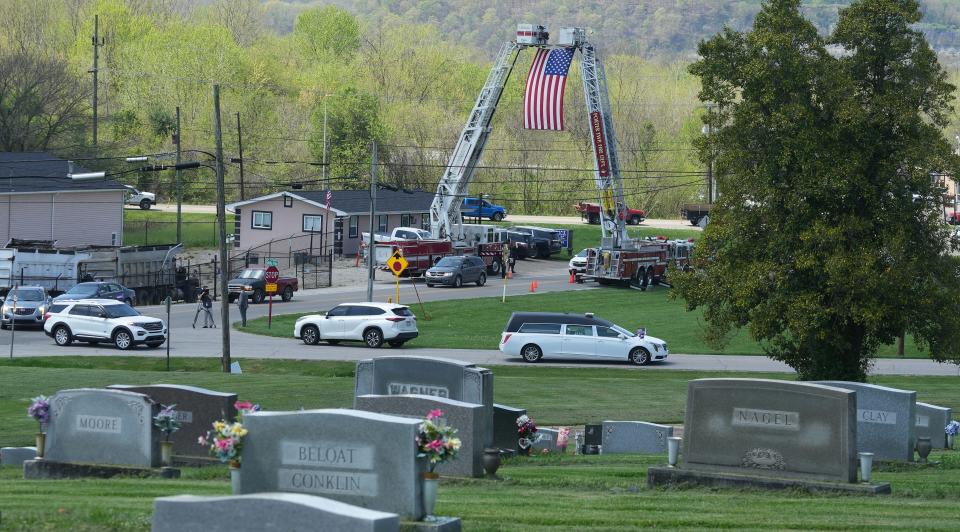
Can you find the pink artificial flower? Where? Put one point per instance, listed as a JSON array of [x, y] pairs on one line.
[[243, 405], [435, 413], [202, 440], [224, 445], [435, 446]]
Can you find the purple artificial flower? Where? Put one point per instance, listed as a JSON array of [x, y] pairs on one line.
[[40, 409]]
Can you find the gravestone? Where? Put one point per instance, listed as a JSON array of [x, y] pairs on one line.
[[16, 456], [635, 437], [593, 435], [278, 512], [465, 417], [885, 420], [107, 427], [505, 426], [438, 377], [360, 458], [548, 440], [771, 428], [931, 420], [197, 409]]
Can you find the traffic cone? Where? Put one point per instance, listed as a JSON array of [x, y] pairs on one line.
[[572, 278], [509, 274], [533, 286]]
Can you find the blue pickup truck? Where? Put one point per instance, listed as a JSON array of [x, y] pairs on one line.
[[475, 207]]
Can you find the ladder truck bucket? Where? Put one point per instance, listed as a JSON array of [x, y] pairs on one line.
[[532, 34]]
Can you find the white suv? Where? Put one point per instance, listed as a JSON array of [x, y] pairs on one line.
[[143, 199], [370, 323], [102, 320]]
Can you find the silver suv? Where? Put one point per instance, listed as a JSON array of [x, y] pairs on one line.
[[102, 320]]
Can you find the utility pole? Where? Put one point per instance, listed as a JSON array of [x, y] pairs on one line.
[[373, 211], [711, 185], [179, 184], [222, 229], [240, 147], [97, 43], [324, 170]]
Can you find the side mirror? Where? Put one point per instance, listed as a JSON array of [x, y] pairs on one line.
[[326, 317], [622, 337]]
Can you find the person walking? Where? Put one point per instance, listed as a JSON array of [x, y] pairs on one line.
[[243, 301], [513, 260], [204, 305], [504, 259]]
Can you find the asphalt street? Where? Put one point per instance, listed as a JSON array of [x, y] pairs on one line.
[[551, 276]]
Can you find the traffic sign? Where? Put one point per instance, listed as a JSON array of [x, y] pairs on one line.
[[397, 263], [272, 262], [271, 288], [272, 274]]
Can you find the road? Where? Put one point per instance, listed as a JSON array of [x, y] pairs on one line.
[[551, 277]]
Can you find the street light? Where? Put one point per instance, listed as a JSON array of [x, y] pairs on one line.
[[87, 176]]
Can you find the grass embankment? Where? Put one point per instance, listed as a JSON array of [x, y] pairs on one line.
[[198, 230], [544, 492], [477, 323]]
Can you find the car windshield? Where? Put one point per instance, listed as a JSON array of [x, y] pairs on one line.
[[450, 262], [83, 289], [251, 274], [583, 253], [120, 311], [28, 294], [622, 331]]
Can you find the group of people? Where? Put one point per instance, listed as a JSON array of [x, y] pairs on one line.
[[205, 306]]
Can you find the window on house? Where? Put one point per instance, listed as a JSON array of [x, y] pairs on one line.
[[425, 221], [288, 201], [312, 223], [406, 220], [382, 223], [262, 220], [354, 227]]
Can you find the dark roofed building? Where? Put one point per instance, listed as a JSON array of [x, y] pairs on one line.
[[289, 215], [39, 202]]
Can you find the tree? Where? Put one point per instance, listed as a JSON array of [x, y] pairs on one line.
[[353, 123], [41, 100], [826, 241], [327, 30]]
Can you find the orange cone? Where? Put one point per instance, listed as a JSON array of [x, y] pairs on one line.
[[509, 274], [572, 278], [533, 286]]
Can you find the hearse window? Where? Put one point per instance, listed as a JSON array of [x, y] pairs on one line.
[[607, 332], [579, 330], [540, 328]]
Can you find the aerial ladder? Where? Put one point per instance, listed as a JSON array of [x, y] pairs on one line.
[[618, 258]]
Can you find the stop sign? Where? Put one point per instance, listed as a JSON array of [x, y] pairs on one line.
[[272, 274]]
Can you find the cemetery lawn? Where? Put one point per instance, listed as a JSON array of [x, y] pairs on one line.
[[477, 323], [538, 493]]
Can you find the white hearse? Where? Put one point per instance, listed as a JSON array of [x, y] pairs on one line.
[[536, 336]]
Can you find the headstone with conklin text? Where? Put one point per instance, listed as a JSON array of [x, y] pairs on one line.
[[886, 419], [931, 421], [106, 427], [360, 458], [196, 409], [467, 418], [773, 428], [635, 437], [260, 512]]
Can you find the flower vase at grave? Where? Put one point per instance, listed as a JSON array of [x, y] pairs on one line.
[[41, 440], [923, 448], [166, 453], [491, 461], [949, 441], [235, 477], [431, 482]]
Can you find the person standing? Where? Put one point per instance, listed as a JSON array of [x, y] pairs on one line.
[[205, 305], [504, 259], [243, 301]]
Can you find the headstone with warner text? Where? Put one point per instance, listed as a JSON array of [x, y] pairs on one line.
[[467, 418], [360, 458], [438, 377], [635, 437], [505, 426], [264, 512], [196, 409], [16, 456], [97, 426], [760, 427], [931, 420], [885, 420]]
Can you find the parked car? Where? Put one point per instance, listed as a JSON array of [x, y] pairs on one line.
[[538, 335], [144, 199], [545, 241], [99, 290], [456, 270], [481, 208], [578, 264], [102, 320], [522, 243], [31, 303], [370, 323], [251, 280]]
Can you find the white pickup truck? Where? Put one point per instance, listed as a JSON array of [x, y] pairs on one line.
[[398, 233], [144, 199]]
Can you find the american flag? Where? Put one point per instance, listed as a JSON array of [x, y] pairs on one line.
[[543, 97], [329, 196]]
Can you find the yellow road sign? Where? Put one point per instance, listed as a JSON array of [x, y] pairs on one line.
[[397, 263], [271, 288]]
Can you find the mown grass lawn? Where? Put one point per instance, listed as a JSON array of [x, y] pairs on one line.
[[198, 230], [538, 493], [477, 323]]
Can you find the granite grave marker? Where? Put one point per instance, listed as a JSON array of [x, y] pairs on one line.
[[931, 420], [635, 437], [360, 458], [885, 420], [547, 440], [505, 426], [16, 456]]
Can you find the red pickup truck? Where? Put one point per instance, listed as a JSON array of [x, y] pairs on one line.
[[251, 280], [591, 212]]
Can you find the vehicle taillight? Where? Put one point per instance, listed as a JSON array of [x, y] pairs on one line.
[[506, 336], [396, 319], [46, 316]]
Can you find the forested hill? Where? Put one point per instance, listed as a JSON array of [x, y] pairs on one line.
[[655, 29]]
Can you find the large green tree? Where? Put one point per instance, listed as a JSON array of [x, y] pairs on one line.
[[827, 240]]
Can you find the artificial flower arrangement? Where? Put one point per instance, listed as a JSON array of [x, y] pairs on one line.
[[40, 410], [563, 437], [166, 421], [952, 428], [436, 440], [526, 432], [226, 438]]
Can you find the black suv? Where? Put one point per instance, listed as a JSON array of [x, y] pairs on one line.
[[545, 241]]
